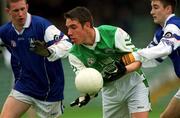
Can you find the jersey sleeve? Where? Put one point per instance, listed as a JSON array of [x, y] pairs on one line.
[[161, 50], [156, 51], [75, 63], [59, 43], [167, 44], [171, 36], [123, 41]]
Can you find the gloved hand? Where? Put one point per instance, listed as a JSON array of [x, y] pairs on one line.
[[116, 73], [40, 48], [82, 100]]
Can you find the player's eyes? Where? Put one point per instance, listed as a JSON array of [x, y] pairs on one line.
[[155, 7], [73, 27], [22, 9], [15, 10]]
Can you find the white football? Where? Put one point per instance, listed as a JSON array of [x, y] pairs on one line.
[[89, 80]]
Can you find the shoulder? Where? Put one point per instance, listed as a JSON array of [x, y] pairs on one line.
[[174, 21], [5, 28], [38, 20], [107, 30], [107, 27], [172, 26]]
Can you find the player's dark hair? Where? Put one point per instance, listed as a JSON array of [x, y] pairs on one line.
[[12, 1], [172, 3], [82, 14]]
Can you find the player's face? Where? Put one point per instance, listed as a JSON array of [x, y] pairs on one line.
[[76, 31], [18, 12], [159, 12]]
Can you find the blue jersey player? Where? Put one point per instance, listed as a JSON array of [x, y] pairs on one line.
[[166, 43], [35, 46]]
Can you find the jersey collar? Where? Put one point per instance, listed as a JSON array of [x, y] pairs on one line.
[[97, 36], [97, 39], [28, 21], [170, 16]]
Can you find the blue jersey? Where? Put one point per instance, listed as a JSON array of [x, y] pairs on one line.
[[37, 76], [175, 54]]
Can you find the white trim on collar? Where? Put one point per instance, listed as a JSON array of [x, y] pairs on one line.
[[97, 35], [167, 20], [97, 39], [28, 21]]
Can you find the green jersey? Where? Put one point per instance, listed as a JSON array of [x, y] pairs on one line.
[[110, 44]]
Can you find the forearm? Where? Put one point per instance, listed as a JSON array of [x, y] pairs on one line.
[[133, 66], [147, 54], [59, 50], [154, 52], [57, 42]]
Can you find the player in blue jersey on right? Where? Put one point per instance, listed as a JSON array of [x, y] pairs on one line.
[[166, 42], [36, 47]]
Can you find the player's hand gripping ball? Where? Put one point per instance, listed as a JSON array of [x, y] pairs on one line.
[[89, 81]]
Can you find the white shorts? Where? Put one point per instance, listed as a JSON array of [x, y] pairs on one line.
[[119, 101], [43, 109], [177, 95]]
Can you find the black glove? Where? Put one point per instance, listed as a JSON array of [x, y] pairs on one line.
[[117, 71], [82, 100], [40, 48]]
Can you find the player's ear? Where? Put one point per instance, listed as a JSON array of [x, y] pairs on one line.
[[169, 9], [7, 10], [87, 24]]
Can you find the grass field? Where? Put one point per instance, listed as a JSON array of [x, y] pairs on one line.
[[93, 109], [96, 112]]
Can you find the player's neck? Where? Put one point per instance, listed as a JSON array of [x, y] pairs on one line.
[[90, 37]]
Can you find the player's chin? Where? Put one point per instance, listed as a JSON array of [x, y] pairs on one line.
[[21, 22], [74, 40], [156, 21]]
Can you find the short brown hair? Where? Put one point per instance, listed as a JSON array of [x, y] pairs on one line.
[[82, 14], [12, 1], [172, 3]]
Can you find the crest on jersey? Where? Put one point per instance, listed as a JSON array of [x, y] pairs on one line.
[[13, 43], [31, 41], [91, 61], [168, 35], [58, 37]]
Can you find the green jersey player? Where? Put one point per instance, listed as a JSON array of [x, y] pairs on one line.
[[125, 92]]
